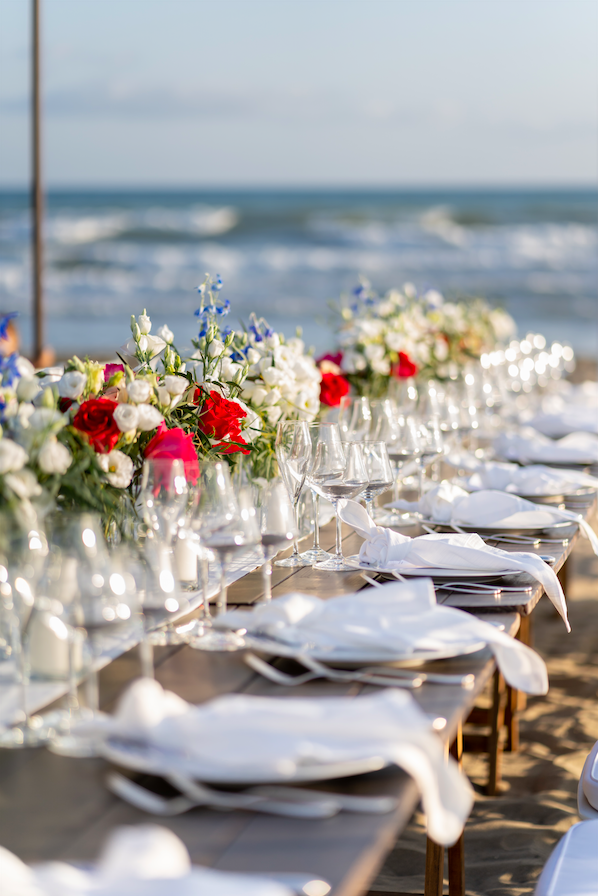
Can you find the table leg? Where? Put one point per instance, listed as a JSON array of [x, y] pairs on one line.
[[434, 869], [456, 853], [497, 722]]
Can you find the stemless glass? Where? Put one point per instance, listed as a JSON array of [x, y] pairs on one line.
[[338, 472], [379, 470], [277, 527], [316, 554], [294, 454]]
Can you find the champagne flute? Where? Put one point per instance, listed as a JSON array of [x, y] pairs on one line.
[[338, 472], [316, 554], [294, 454], [277, 527], [379, 470]]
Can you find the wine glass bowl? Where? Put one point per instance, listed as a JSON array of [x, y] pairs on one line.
[[294, 452]]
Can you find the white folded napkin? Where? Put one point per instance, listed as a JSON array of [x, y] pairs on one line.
[[528, 446], [572, 409], [537, 479], [449, 503], [397, 617], [253, 735], [145, 860], [391, 550]]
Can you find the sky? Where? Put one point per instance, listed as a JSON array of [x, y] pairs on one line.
[[213, 93]]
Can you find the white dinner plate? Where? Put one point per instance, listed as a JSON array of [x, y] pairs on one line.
[[147, 758], [354, 657], [506, 527], [437, 574]]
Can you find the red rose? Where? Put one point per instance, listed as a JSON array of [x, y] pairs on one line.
[[332, 389], [95, 420], [174, 444], [405, 367], [219, 420], [64, 404]]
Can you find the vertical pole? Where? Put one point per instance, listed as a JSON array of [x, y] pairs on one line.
[[36, 184]]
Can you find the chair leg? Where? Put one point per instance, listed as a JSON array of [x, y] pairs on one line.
[[456, 853], [434, 869], [511, 720]]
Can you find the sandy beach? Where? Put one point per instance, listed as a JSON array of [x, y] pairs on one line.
[[509, 838]]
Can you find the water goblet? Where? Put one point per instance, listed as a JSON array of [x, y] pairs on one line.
[[338, 472], [379, 471], [277, 527], [317, 554], [294, 455]]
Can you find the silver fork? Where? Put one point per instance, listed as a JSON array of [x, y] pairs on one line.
[[482, 588], [278, 677]]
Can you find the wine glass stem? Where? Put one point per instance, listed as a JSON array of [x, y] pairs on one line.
[[422, 473], [92, 688], [205, 583], [296, 538], [339, 537], [267, 578], [369, 506], [222, 597], [146, 653], [72, 699], [23, 679], [316, 545]]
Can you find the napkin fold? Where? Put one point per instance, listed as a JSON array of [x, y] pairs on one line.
[[572, 409], [145, 860], [449, 503], [392, 550], [255, 735], [536, 479], [397, 617], [529, 446]]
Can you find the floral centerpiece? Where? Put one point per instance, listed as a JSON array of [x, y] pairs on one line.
[[402, 334]]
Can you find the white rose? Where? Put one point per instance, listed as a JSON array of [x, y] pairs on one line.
[[72, 384], [272, 376], [54, 457], [175, 385], [139, 391], [273, 415], [24, 367], [12, 456], [44, 417], [24, 484], [126, 417], [148, 418], [118, 468], [144, 323], [166, 334], [259, 394], [215, 348], [28, 388]]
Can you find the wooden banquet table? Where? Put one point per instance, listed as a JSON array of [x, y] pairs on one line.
[[52, 807]]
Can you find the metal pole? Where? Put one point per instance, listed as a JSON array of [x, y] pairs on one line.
[[36, 186]]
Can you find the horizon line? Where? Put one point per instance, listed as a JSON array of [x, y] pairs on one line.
[[317, 187]]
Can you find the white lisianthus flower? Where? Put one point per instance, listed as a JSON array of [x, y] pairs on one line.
[[251, 423], [374, 352], [24, 484], [12, 456], [274, 414], [175, 385], [148, 418], [54, 457], [248, 389], [258, 396], [353, 362], [409, 290], [395, 341], [441, 349], [24, 367], [166, 334], [28, 388], [44, 417], [272, 341], [386, 308], [72, 384], [24, 413], [272, 397], [118, 468], [215, 348], [163, 396], [126, 417], [152, 344], [252, 356], [139, 391], [229, 369], [272, 376], [144, 323]]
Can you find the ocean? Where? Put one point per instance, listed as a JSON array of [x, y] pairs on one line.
[[285, 253]]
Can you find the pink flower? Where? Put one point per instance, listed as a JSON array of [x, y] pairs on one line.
[[110, 370], [174, 444]]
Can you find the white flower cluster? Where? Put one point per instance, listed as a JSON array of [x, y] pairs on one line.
[[282, 382]]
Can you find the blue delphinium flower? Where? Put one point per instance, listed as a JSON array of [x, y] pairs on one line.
[[9, 370]]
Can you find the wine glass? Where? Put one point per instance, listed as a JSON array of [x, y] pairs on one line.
[[379, 470], [294, 454], [355, 418], [164, 496], [228, 523], [432, 446], [277, 527], [338, 472], [403, 445], [316, 554]]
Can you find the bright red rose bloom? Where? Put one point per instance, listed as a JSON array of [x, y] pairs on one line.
[[332, 389], [95, 419], [405, 367], [174, 444], [219, 420]]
